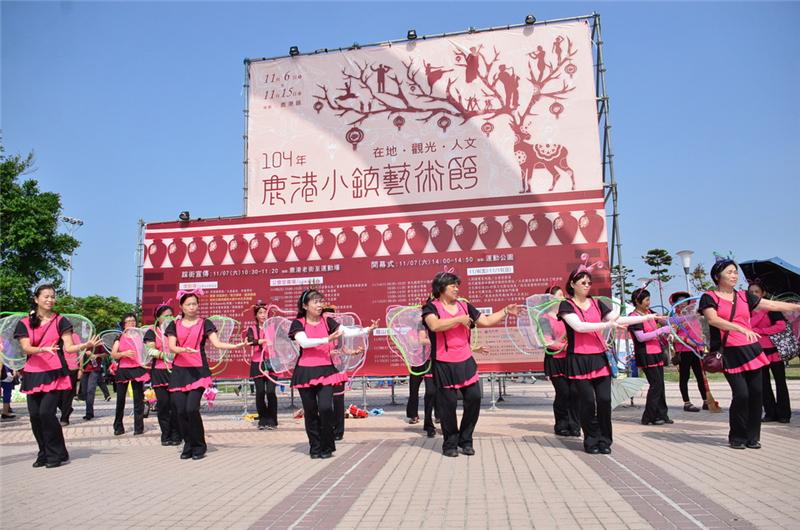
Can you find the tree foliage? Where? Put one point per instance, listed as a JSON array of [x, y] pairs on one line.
[[659, 261], [31, 249], [699, 279], [104, 311], [626, 273]]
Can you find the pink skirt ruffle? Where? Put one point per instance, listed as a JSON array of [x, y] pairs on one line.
[[328, 380], [204, 382], [62, 383], [756, 364]]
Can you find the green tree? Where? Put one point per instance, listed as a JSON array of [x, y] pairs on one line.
[[31, 249], [659, 261], [105, 312], [626, 273], [699, 279]]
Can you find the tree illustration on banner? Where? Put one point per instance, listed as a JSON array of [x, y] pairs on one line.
[[478, 85]]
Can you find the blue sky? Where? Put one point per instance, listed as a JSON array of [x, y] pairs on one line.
[[135, 110]]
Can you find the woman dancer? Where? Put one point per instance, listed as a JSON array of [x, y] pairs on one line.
[[157, 344], [587, 363], [687, 361], [129, 371], [650, 358], [315, 375], [44, 336], [728, 313], [266, 399], [449, 322], [565, 408], [191, 375], [767, 323]]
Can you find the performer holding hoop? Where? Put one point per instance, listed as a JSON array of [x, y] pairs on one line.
[[449, 322], [190, 372], [565, 406], [157, 346], [126, 350], [44, 336], [315, 375], [687, 361], [650, 358], [261, 371], [587, 361]]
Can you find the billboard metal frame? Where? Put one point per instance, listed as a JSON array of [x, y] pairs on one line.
[[611, 199]]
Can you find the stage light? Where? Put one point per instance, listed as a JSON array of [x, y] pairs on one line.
[[530, 19], [412, 34], [294, 50], [184, 216]]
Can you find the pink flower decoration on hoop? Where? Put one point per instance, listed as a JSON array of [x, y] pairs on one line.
[[584, 267]]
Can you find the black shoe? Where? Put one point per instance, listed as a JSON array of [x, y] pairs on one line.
[[184, 456], [469, 451], [272, 427], [430, 434], [38, 463], [668, 421], [64, 423], [577, 434], [108, 398], [314, 456], [705, 406], [753, 445], [137, 433], [593, 450], [262, 427], [783, 420], [119, 432], [88, 418], [605, 450], [737, 445], [688, 407], [339, 437], [7, 416], [199, 457], [166, 443], [50, 465], [768, 419], [450, 452], [326, 454], [563, 432], [175, 442]]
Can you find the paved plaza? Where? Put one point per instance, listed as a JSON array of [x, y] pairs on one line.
[[387, 474]]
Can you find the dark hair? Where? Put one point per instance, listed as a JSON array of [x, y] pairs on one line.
[[186, 296], [306, 297], [552, 289], [721, 265], [639, 295], [574, 276], [160, 310], [33, 316], [758, 283], [125, 317], [441, 281], [677, 296], [258, 306]]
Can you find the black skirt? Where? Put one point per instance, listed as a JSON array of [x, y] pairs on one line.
[[183, 376], [643, 360], [31, 380], [734, 357], [256, 368], [581, 365], [304, 375], [555, 367], [129, 374], [451, 374], [159, 377]]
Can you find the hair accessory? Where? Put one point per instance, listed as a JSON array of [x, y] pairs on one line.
[[451, 270], [719, 257], [181, 293], [589, 268]]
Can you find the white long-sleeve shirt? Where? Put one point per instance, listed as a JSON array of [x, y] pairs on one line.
[[575, 322], [305, 342]]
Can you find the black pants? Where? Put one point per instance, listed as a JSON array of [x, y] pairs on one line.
[[690, 361], [594, 408], [67, 397], [319, 418], [780, 409], [187, 406], [101, 382], [745, 413], [167, 415], [565, 406], [338, 410], [447, 402], [412, 408], [45, 426], [266, 402], [655, 407], [138, 406], [88, 388]]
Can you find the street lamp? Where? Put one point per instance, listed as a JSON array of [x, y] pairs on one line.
[[686, 261], [74, 223]]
